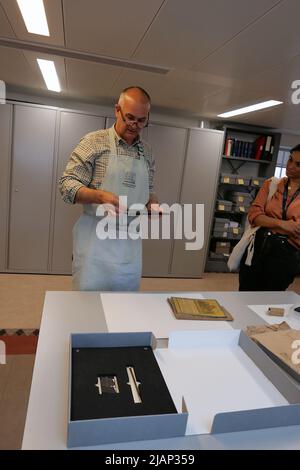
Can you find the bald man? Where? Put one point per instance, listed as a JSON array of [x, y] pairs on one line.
[[105, 165]]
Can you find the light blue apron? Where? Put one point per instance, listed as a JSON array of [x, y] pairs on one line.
[[111, 264]]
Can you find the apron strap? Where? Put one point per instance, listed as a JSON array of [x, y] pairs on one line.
[[285, 206], [112, 142]]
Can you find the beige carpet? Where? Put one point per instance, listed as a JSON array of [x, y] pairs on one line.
[[22, 295]]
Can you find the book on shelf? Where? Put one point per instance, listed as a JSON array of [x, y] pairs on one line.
[[228, 147], [268, 150], [261, 149], [238, 148]]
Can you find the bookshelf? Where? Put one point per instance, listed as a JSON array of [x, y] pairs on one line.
[[249, 157], [245, 159]]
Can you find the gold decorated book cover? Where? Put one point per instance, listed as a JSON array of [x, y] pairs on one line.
[[206, 309]]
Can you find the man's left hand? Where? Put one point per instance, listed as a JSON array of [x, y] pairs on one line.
[[154, 208]]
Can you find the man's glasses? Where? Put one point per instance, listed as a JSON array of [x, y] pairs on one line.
[[130, 120]]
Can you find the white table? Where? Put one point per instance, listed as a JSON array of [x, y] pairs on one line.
[[70, 312]]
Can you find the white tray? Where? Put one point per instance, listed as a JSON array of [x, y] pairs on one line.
[[214, 375]]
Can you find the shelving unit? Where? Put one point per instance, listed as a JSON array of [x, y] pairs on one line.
[[245, 159], [240, 178]]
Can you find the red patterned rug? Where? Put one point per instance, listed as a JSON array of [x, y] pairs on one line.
[[20, 341]]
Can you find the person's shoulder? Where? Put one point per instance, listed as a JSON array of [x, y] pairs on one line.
[[274, 185], [99, 134], [96, 138], [271, 180], [279, 182]]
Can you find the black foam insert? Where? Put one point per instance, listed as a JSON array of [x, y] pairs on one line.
[[90, 363]]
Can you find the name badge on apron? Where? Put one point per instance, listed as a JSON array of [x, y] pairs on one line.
[[129, 179]]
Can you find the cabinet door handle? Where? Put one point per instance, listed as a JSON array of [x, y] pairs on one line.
[[16, 190]]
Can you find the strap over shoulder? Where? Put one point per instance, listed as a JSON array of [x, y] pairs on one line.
[[248, 238], [273, 186]]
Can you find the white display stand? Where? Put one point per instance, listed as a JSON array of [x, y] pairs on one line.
[[79, 312]]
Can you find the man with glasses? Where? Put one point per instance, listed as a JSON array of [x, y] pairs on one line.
[[105, 165]]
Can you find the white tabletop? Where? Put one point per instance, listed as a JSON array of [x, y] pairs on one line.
[[151, 312], [70, 312]]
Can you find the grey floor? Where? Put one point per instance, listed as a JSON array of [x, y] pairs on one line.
[[21, 305]]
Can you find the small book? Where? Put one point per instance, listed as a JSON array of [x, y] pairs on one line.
[[198, 309]]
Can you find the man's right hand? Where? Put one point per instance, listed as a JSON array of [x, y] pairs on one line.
[[106, 197], [98, 196]]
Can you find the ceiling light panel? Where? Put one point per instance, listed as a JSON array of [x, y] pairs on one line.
[[250, 109], [49, 74], [34, 15]]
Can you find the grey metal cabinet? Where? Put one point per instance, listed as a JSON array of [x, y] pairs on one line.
[[6, 112], [36, 225], [199, 185], [73, 126], [109, 122], [31, 186], [168, 145]]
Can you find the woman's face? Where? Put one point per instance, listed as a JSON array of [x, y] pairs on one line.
[[293, 165]]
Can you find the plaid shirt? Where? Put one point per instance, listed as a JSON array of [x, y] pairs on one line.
[[89, 160]]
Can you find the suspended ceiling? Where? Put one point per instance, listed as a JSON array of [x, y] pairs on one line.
[[221, 54]]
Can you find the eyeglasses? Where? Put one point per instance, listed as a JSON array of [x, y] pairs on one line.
[[129, 119]]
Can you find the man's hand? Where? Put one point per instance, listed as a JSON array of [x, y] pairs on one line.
[[109, 199], [154, 208], [98, 196]]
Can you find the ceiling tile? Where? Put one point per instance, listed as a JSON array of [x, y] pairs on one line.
[[178, 90], [272, 84], [185, 32], [111, 28], [269, 41], [250, 63], [275, 83], [5, 27], [15, 70], [85, 79]]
